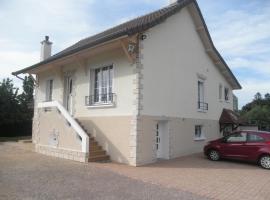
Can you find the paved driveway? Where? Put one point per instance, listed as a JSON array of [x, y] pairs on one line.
[[224, 180], [27, 175]]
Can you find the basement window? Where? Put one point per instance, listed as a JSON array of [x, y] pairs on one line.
[[199, 135]]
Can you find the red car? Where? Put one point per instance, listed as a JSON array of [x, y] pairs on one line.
[[241, 145]]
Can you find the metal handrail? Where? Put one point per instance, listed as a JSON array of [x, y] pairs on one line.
[[202, 105], [107, 98]]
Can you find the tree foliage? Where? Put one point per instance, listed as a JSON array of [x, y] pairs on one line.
[[14, 107], [258, 111]]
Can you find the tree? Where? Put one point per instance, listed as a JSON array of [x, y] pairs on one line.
[[15, 113], [267, 97], [258, 96], [26, 98], [258, 111], [9, 104]]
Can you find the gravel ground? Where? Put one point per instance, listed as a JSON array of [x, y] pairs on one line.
[[27, 175]]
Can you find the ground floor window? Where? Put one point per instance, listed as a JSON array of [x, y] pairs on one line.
[[49, 90], [199, 135]]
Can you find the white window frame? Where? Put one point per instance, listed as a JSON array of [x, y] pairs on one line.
[[220, 92], [227, 98], [200, 94], [202, 135], [49, 90], [109, 87]]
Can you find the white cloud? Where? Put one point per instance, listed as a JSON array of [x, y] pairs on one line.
[[242, 35], [14, 60], [260, 66], [238, 32], [251, 87], [26, 22]]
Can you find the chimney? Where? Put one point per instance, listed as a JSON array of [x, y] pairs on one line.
[[172, 1], [46, 49]]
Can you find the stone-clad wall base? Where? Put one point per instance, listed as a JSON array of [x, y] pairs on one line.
[[62, 153]]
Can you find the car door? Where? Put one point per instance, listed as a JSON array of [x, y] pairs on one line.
[[234, 146], [254, 143]]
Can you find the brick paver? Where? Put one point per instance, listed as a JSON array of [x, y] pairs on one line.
[[25, 175], [217, 180]]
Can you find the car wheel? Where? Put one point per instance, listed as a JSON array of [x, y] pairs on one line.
[[265, 162], [213, 155]]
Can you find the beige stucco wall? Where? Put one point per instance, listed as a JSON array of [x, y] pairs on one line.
[[52, 122], [112, 133], [173, 60], [58, 85], [123, 75], [122, 84], [111, 126], [174, 53], [180, 134]]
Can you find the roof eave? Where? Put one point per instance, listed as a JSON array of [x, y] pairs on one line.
[[128, 31], [235, 85], [71, 53]]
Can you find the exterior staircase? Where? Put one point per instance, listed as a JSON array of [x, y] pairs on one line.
[[96, 153]]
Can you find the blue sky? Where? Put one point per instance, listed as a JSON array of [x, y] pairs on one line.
[[240, 30]]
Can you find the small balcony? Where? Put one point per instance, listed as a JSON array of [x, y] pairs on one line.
[[108, 99], [202, 106]]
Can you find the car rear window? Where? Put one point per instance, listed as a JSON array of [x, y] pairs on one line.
[[255, 138]]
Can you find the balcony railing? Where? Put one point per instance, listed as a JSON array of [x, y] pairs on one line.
[[202, 106], [100, 99]]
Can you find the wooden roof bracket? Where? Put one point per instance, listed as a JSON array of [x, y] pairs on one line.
[[130, 47]]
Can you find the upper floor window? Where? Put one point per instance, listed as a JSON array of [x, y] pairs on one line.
[[49, 90], [201, 102], [220, 92], [101, 82], [226, 94]]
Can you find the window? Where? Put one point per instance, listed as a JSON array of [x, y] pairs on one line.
[[220, 92], [237, 137], [201, 104], [49, 90], [199, 133], [103, 85], [226, 94], [254, 138]]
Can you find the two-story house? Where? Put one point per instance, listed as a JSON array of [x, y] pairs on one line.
[[151, 88]]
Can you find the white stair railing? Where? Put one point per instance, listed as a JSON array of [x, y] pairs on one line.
[[71, 121]]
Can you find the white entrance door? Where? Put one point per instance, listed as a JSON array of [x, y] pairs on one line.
[[162, 140], [69, 94]]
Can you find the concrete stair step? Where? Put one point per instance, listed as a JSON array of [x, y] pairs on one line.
[[101, 158], [95, 148], [93, 142], [97, 153]]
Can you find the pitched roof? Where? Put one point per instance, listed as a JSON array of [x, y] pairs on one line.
[[131, 27]]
